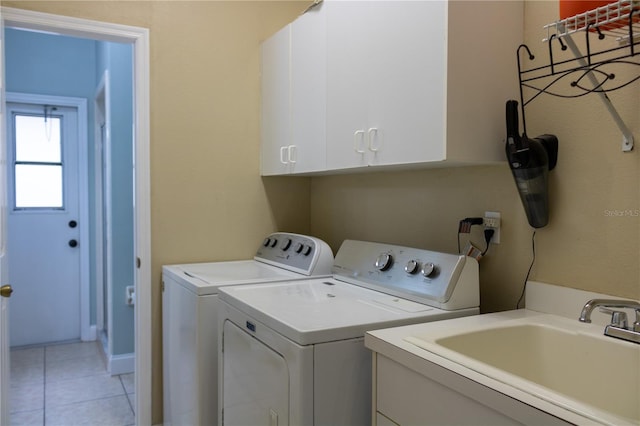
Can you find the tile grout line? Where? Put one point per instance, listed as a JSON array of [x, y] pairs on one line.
[[126, 394], [67, 404]]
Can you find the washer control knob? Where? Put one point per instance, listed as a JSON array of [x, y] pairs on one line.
[[286, 244], [266, 242], [274, 242], [384, 262], [411, 267], [298, 248], [428, 269], [306, 250]]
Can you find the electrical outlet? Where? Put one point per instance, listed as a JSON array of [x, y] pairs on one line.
[[492, 221]]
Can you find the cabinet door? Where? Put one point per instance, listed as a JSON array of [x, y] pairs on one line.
[[407, 76], [347, 84], [386, 83], [309, 91], [276, 103]]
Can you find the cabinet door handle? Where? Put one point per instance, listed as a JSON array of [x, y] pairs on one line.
[[358, 135], [292, 153], [373, 135], [283, 160]]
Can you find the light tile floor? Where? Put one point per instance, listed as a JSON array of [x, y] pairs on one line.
[[67, 384]]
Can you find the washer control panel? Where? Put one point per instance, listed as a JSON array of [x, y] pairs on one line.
[[295, 252], [444, 280]]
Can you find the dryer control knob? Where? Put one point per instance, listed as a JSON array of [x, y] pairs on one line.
[[428, 270], [411, 267], [298, 248], [307, 250], [266, 242], [274, 242], [384, 262], [286, 244]]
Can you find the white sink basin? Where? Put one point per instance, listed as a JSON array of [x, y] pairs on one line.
[[560, 360]]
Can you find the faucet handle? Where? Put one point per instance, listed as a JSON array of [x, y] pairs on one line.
[[618, 318]]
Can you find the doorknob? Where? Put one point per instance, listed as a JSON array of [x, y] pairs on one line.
[[73, 243], [6, 290]]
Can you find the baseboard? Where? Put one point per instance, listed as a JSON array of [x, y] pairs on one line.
[[121, 364]]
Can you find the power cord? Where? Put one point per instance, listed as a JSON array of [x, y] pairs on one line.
[[464, 227], [488, 234], [533, 250]]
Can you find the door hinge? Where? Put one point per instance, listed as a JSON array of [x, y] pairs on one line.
[[162, 286], [138, 262]]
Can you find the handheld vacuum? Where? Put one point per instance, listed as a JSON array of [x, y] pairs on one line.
[[530, 161]]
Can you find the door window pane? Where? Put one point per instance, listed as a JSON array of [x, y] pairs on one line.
[[38, 186], [37, 139], [38, 162]]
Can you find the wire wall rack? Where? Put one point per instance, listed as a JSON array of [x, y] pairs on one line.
[[609, 59]]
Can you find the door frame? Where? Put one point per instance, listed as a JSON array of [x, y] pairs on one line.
[[139, 38], [87, 332], [102, 160]]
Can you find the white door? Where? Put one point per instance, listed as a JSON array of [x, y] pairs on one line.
[[43, 231], [4, 342], [5, 292]]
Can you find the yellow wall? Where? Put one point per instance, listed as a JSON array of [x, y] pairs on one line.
[[583, 246], [587, 245], [208, 201]]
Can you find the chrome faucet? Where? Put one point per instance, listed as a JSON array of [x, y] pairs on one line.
[[619, 323]]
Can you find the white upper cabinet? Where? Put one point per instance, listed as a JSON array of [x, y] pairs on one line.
[[308, 90], [396, 84], [385, 91], [294, 97], [276, 104]]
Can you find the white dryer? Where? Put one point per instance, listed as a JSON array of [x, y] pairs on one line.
[[190, 318], [292, 353]]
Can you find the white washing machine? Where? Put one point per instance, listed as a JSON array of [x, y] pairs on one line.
[[190, 320], [292, 353]]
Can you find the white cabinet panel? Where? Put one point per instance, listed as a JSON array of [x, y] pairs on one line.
[[294, 97], [276, 103], [308, 91], [407, 397], [189, 356], [347, 84], [385, 83]]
